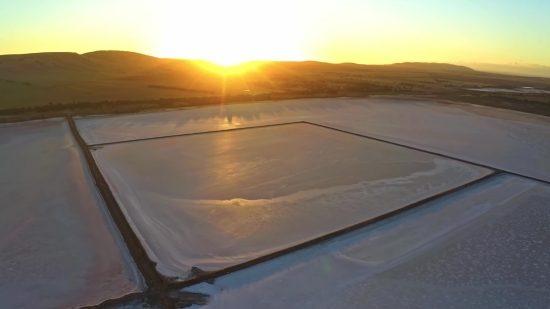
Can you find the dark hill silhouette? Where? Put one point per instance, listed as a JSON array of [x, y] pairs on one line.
[[46, 62], [432, 66], [28, 80], [124, 58], [102, 61]]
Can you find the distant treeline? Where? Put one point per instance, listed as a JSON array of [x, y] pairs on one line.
[[310, 87], [181, 89], [140, 104], [365, 87], [318, 89], [11, 81]]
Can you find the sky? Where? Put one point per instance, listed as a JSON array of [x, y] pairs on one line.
[[361, 31]]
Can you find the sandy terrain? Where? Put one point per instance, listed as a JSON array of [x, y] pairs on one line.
[[482, 247], [58, 245], [220, 199]]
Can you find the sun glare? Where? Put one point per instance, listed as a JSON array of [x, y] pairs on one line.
[[229, 69], [228, 32], [229, 59]]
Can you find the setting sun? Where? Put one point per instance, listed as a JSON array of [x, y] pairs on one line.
[[231, 33]]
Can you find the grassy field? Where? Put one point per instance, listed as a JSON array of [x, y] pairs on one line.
[[41, 85]]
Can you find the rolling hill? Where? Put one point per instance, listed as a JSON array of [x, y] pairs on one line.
[[30, 80]]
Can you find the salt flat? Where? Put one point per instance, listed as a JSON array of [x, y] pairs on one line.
[[482, 247], [219, 199], [508, 140], [58, 245], [515, 90]]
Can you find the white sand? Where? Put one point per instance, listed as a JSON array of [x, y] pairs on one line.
[[486, 247], [216, 200], [58, 245], [509, 140]]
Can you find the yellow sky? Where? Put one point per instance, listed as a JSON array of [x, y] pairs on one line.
[[231, 32], [362, 31]]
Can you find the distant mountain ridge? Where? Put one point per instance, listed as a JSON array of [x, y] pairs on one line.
[[104, 58], [28, 80], [93, 61], [516, 69], [121, 56], [434, 66], [44, 61]]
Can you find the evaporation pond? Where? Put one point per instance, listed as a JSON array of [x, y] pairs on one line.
[[485, 246], [59, 247], [219, 199]]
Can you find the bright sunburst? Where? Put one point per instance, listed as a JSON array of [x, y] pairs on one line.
[[230, 58], [228, 32]]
